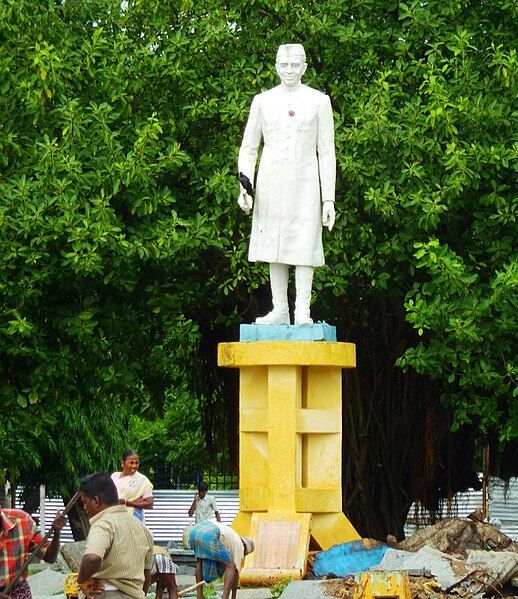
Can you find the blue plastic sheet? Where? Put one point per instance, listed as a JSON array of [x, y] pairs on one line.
[[347, 558]]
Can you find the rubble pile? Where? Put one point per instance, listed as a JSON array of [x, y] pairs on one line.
[[457, 536], [457, 557]]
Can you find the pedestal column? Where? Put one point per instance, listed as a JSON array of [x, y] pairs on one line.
[[290, 432]]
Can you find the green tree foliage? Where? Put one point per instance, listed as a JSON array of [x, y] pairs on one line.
[[123, 253], [174, 437]]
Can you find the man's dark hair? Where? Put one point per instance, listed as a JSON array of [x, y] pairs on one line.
[[100, 485], [203, 487]]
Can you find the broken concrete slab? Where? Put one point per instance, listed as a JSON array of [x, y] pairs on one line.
[[309, 589], [501, 566], [447, 570], [46, 582]]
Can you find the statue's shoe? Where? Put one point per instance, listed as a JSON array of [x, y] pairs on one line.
[[274, 317], [303, 318]]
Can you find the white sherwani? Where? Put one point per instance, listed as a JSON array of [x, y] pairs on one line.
[[296, 173]]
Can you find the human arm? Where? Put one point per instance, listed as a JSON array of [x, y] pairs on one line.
[[215, 509], [90, 564], [192, 509], [143, 503], [326, 161], [51, 553], [147, 580], [98, 544]]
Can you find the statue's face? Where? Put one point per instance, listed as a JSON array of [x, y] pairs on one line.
[[290, 68]]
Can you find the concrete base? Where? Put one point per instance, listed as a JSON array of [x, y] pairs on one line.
[[326, 529]]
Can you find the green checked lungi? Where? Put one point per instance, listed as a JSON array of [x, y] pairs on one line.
[[205, 541]]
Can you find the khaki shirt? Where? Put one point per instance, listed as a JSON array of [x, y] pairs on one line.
[[125, 546]]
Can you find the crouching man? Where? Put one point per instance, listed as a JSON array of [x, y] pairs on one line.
[[218, 550], [119, 548]]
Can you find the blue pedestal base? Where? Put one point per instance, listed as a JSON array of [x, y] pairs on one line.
[[319, 331]]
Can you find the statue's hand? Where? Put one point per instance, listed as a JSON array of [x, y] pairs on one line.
[[245, 202], [328, 215]]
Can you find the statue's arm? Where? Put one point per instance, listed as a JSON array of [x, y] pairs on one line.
[[251, 141], [326, 150]]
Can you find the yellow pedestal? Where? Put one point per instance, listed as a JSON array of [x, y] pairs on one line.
[[291, 432]]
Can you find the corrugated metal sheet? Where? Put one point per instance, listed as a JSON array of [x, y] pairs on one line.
[[503, 505], [168, 518]]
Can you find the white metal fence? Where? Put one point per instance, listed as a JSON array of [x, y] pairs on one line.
[[168, 518]]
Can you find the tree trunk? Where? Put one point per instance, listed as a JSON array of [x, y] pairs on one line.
[[32, 500], [397, 443], [77, 518]]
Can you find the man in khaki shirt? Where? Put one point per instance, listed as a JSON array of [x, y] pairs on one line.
[[119, 549]]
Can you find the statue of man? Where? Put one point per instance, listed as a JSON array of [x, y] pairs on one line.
[[295, 188]]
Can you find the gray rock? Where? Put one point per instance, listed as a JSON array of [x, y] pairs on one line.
[[46, 582], [309, 589], [73, 554], [61, 565], [254, 594]]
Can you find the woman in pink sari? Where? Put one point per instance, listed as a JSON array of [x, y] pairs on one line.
[[134, 489]]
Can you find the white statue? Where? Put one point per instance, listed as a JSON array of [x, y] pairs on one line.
[[295, 189]]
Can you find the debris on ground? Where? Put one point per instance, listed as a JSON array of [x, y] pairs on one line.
[[495, 569], [348, 558], [446, 569], [420, 588], [457, 557], [339, 587], [456, 536]]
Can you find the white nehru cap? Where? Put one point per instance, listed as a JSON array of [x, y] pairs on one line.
[[292, 50]]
